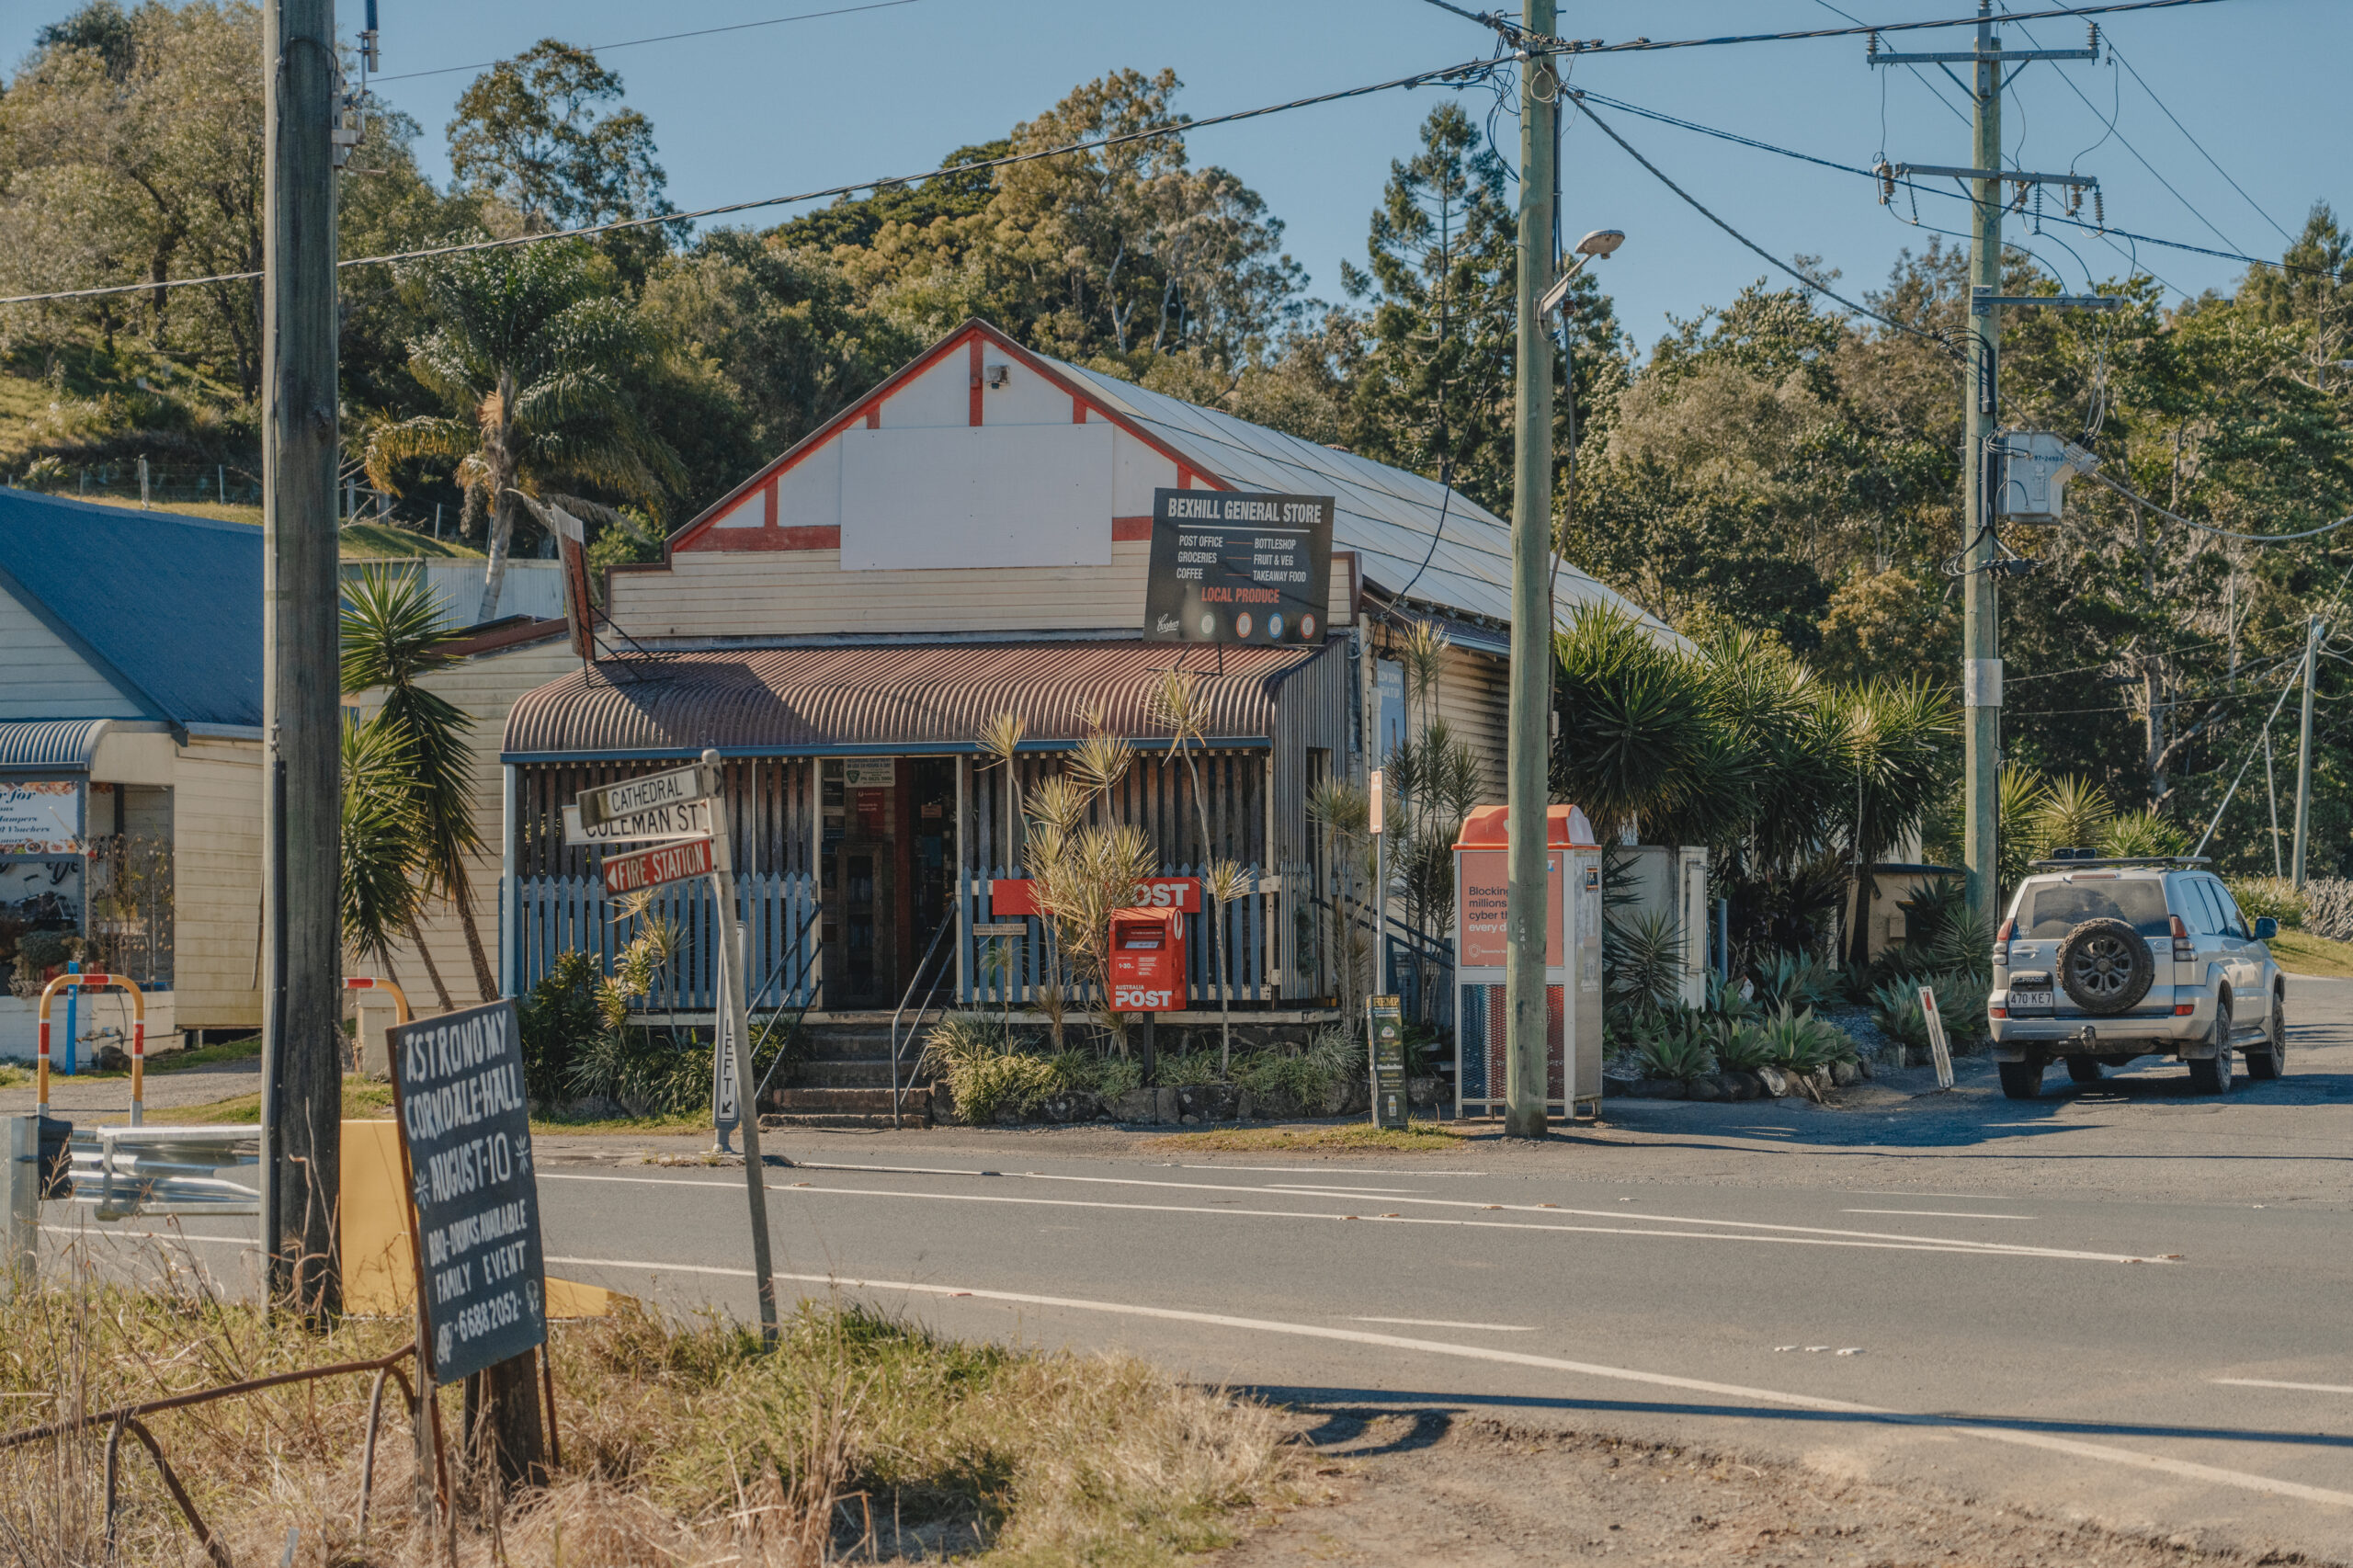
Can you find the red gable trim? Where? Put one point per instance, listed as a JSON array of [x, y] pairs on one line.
[[868, 409], [978, 392], [1129, 528]]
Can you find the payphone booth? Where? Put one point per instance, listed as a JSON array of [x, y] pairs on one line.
[[1572, 962], [1147, 961]]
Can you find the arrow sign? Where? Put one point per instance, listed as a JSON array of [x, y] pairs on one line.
[[652, 868], [607, 802], [691, 820]]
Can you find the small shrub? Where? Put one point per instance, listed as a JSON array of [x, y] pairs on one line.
[[1800, 1042], [557, 1019], [1642, 959], [1961, 1001], [1186, 1068], [986, 1069], [1726, 999], [2274, 896], [2143, 833]]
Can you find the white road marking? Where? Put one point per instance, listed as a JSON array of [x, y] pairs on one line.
[[1448, 1323], [2267, 1383], [1344, 1191], [2125, 1456], [147, 1235], [1936, 1213], [1314, 1170], [1808, 1235]]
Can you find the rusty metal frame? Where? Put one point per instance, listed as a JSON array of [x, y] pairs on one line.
[[125, 1418]]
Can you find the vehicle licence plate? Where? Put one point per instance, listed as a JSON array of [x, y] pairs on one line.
[[2029, 1001]]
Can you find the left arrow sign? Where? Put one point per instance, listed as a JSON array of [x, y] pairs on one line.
[[652, 868]]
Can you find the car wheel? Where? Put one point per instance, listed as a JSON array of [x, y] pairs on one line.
[[2105, 966], [2212, 1076], [2023, 1080], [2084, 1069], [2267, 1060]]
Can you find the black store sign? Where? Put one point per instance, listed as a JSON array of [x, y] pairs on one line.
[[1228, 567], [457, 1081]]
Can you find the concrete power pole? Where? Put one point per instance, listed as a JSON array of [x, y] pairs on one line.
[[302, 954], [1526, 1047], [2304, 751]]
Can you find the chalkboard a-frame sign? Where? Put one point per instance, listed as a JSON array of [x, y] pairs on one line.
[[465, 1123]]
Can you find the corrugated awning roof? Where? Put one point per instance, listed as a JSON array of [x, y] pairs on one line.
[[897, 699], [50, 745]]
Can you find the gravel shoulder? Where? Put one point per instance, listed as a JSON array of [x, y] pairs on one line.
[[1436, 1485]]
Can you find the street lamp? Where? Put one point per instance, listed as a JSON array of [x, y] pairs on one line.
[[1602, 243]]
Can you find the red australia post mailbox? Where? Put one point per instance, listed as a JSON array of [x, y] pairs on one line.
[[1147, 961]]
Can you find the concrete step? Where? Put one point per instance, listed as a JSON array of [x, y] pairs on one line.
[[843, 1108], [849, 1072]]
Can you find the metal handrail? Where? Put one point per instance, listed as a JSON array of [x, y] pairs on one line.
[[800, 978], [897, 1094]]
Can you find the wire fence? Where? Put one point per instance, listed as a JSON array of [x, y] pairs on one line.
[[223, 483]]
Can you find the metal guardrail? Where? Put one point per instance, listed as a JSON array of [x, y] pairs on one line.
[[131, 1172]]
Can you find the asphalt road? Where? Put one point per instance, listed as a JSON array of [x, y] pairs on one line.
[[2123, 1304]]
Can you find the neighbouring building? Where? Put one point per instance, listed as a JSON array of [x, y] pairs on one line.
[[130, 762], [970, 538]]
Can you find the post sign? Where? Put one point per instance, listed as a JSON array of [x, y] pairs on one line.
[[466, 1126], [1229, 567], [630, 796], [1019, 896], [652, 868], [1385, 1034], [691, 820]]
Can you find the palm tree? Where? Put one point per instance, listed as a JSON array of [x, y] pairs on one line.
[[392, 633], [381, 841], [1897, 742], [535, 360]]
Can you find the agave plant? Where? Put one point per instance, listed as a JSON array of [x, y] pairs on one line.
[[1679, 1046], [1795, 979], [1726, 999], [1740, 1045], [1800, 1042]]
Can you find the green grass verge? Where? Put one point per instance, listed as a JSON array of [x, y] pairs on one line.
[[1419, 1136], [205, 1056], [364, 1100], [2300, 952], [15, 1077]]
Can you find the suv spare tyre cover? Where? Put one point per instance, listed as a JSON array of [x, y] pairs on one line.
[[2105, 966]]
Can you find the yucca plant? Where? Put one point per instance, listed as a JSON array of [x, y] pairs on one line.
[[1642, 959], [2143, 833]]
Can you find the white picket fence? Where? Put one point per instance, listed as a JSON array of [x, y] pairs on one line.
[[559, 915]]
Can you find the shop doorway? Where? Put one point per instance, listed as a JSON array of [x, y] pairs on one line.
[[887, 874]]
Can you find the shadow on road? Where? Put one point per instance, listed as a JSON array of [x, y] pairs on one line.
[[1334, 1404]]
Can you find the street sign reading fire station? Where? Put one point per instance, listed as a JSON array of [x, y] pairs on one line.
[[652, 868]]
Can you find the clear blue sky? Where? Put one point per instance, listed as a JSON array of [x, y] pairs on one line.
[[775, 109]]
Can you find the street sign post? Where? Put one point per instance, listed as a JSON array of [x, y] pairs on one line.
[[1937, 1047], [1376, 820], [733, 1096], [663, 863], [1385, 1035], [607, 802], [690, 820]]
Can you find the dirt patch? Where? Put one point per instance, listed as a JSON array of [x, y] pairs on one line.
[[1430, 1486]]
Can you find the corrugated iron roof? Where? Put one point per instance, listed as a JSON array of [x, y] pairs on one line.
[[50, 745], [899, 698], [1389, 517], [166, 607]]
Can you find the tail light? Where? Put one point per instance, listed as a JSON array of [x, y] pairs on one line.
[[2002, 941], [2184, 949]]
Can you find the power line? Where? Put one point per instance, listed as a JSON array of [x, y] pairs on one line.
[[2200, 146], [2127, 143], [2139, 500], [1536, 43], [1578, 98], [662, 38], [1463, 71]]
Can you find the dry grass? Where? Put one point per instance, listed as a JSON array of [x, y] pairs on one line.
[[363, 1100], [1422, 1137], [683, 1443], [2300, 952]]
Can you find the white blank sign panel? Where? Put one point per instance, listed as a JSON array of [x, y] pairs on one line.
[[966, 496]]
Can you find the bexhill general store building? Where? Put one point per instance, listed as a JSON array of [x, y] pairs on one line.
[[973, 539]]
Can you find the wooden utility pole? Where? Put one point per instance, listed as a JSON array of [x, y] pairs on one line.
[[302, 957], [1528, 755]]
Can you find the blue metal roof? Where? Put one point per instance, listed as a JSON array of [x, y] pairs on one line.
[[166, 607], [50, 745]]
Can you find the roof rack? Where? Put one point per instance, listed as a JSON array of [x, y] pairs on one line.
[[2063, 860]]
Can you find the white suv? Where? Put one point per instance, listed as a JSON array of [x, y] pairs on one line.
[[2103, 961]]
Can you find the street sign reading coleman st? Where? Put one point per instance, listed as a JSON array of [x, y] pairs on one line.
[[652, 868], [1230, 567], [630, 796], [691, 820]]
